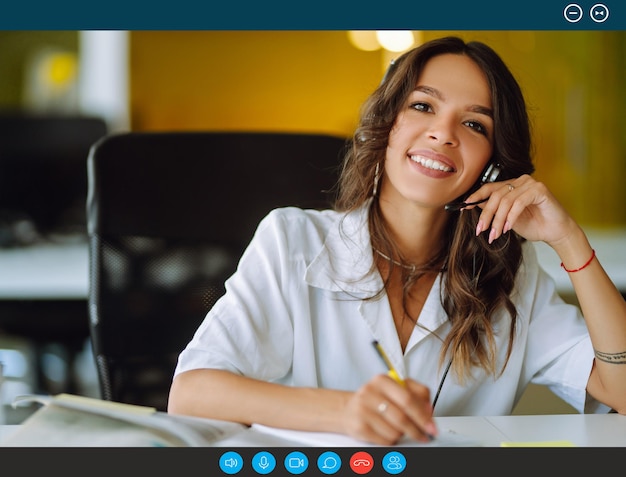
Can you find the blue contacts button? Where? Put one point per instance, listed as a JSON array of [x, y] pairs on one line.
[[231, 462], [573, 13], [296, 462], [394, 462], [329, 462]]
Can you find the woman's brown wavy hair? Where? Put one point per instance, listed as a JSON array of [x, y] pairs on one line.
[[477, 278]]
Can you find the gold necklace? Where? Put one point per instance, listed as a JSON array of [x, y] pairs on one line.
[[399, 264]]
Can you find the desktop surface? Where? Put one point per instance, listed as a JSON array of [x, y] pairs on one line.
[[555, 430]]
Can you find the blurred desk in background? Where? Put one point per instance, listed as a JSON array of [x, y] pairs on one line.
[[610, 247], [43, 301], [60, 271], [45, 271]]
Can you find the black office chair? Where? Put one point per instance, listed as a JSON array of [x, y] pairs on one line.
[[169, 215]]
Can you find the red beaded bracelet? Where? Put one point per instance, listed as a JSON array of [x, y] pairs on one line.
[[593, 254]]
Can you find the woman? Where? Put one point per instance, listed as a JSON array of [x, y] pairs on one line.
[[453, 294]]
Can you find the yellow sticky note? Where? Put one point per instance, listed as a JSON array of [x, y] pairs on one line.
[[538, 444]]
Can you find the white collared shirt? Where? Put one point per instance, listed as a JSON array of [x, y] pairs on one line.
[[294, 313]]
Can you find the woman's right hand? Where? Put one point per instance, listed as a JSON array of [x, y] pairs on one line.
[[382, 411]]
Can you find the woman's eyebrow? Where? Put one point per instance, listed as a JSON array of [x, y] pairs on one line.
[[435, 93], [481, 110], [429, 90]]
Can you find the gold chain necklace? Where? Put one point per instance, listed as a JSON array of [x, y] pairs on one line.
[[399, 264]]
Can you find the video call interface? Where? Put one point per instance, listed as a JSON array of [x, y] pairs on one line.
[[571, 66]]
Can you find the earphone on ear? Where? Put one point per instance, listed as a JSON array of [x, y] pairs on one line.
[[491, 173]]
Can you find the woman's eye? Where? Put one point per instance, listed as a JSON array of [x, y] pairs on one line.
[[478, 127], [424, 107]]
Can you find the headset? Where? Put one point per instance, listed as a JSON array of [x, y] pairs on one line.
[[489, 174]]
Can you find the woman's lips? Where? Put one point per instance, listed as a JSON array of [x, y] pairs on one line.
[[432, 164]]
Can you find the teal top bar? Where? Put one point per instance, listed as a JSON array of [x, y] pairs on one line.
[[314, 15]]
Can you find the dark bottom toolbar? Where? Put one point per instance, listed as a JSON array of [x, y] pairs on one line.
[[316, 461]]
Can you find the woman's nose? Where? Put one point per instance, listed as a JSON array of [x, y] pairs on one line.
[[443, 131]]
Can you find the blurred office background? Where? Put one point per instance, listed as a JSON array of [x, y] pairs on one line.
[[300, 81]]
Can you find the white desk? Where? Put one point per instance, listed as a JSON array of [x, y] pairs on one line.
[[588, 430], [582, 430], [6, 429], [54, 271]]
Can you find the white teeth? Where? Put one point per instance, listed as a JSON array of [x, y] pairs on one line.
[[431, 164]]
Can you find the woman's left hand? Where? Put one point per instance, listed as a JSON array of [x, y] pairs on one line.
[[525, 206]]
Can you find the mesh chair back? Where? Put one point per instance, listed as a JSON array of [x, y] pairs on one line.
[[169, 215]]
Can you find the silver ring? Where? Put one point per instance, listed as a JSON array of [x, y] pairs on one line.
[[511, 187], [382, 407]]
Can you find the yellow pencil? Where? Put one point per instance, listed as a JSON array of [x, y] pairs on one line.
[[391, 370]]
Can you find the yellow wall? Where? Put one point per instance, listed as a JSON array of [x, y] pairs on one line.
[[269, 80], [316, 81]]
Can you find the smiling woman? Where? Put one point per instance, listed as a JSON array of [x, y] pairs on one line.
[[458, 290]]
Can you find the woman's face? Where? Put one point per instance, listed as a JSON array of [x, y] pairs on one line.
[[443, 137]]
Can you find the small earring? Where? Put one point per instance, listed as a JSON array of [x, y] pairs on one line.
[[376, 179]]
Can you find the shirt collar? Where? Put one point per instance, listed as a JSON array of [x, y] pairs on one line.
[[345, 262]]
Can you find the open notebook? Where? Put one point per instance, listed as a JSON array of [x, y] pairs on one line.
[[67, 420]]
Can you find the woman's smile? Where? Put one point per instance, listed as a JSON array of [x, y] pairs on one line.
[[431, 164]]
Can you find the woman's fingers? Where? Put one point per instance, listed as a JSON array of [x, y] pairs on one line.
[[507, 201], [419, 410], [383, 411], [494, 217]]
